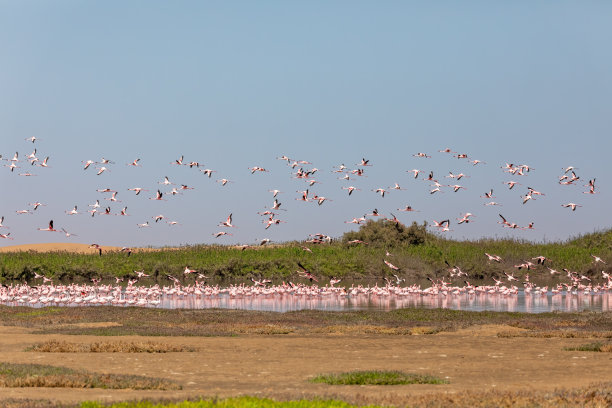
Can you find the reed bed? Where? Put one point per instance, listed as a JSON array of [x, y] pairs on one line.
[[417, 259]]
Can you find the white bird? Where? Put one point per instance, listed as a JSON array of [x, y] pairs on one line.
[[227, 222], [571, 205]]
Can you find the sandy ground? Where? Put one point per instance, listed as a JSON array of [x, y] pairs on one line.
[[57, 247], [473, 359], [84, 248], [68, 247]]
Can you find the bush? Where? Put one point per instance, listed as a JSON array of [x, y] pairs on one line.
[[389, 233]]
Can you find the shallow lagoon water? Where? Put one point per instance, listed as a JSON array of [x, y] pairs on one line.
[[521, 302]]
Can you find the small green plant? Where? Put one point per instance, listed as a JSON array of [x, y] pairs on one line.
[[377, 378]]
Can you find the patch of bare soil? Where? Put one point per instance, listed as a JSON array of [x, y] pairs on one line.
[[280, 366]]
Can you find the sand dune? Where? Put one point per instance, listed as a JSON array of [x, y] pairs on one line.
[[56, 247]]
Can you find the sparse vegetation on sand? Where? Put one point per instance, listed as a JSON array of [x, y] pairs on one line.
[[377, 378], [416, 252], [596, 396], [37, 375], [596, 346], [56, 346], [114, 321]]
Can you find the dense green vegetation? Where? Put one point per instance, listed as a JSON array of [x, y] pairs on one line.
[[241, 402], [377, 378], [416, 252]]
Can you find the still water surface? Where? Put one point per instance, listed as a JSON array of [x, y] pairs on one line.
[[563, 302]]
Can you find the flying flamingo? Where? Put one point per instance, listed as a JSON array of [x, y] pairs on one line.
[[44, 162], [381, 191], [495, 258], [421, 155], [88, 163], [415, 172], [227, 222], [208, 172], [350, 189], [511, 184], [166, 182], [305, 273], [571, 205], [390, 265], [49, 228], [488, 194], [274, 192], [440, 224], [224, 181], [158, 196], [68, 234], [137, 190]]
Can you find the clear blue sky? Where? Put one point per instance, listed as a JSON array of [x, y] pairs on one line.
[[235, 84]]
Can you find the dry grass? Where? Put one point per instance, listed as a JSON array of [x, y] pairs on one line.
[[564, 334], [27, 403], [55, 346], [36, 375], [113, 321], [595, 396], [363, 329], [269, 329], [597, 347]]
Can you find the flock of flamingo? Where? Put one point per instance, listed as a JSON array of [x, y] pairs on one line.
[[153, 295], [329, 296]]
